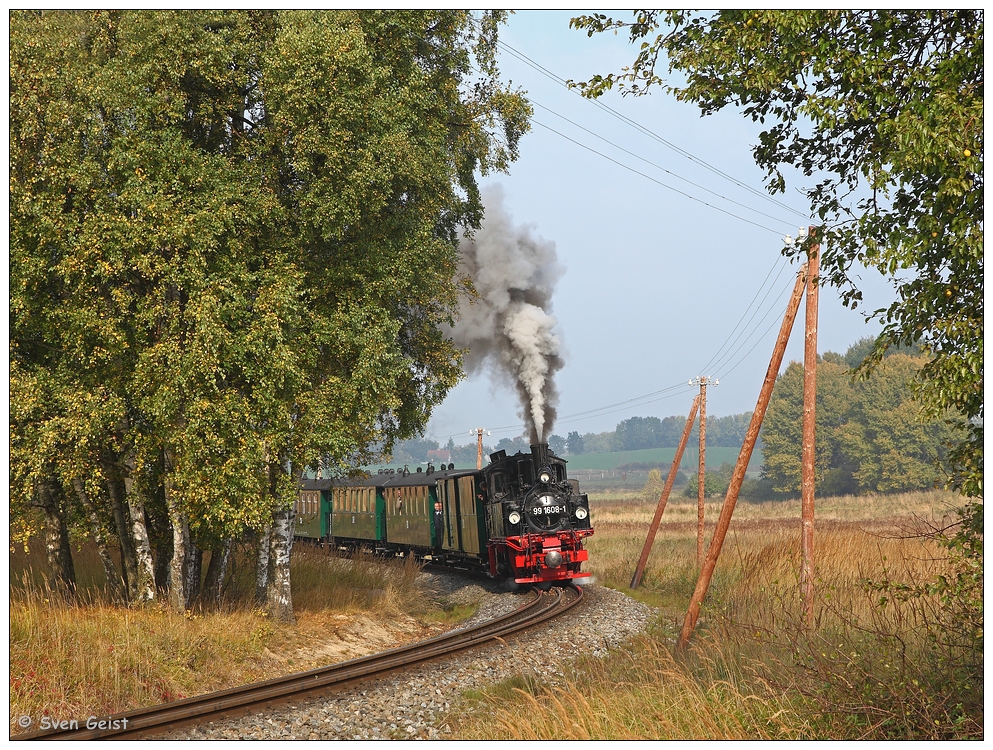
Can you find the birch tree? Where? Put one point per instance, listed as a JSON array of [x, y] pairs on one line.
[[242, 227]]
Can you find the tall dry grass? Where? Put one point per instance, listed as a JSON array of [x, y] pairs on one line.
[[86, 655], [885, 658], [75, 658], [639, 693]]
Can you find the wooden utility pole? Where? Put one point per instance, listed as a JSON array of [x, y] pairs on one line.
[[479, 432], [809, 431], [701, 468], [664, 497], [720, 532]]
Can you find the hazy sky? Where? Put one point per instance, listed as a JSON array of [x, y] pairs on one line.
[[655, 282]]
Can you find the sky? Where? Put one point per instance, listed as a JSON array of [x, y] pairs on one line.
[[662, 282]]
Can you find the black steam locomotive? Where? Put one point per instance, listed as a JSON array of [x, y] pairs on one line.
[[520, 517]]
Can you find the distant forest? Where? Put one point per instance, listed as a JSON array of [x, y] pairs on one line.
[[630, 434]]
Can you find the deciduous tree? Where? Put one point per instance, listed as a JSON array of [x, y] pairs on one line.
[[871, 435], [236, 232]]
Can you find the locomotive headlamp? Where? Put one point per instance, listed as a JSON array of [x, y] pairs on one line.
[[581, 513], [514, 517], [545, 476]]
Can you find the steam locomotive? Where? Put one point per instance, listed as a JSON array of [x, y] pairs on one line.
[[520, 517]]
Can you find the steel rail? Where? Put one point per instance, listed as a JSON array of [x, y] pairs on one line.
[[155, 720]]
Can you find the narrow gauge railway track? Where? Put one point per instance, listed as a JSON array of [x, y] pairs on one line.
[[155, 720]]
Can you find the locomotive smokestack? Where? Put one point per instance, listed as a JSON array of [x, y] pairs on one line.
[[539, 456]]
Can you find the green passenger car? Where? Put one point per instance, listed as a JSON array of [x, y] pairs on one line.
[[313, 508], [409, 510], [358, 511], [463, 505], [393, 508]]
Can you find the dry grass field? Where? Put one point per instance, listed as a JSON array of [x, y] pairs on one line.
[[88, 657], [888, 657], [885, 660]]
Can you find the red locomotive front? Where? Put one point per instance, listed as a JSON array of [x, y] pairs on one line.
[[538, 518]]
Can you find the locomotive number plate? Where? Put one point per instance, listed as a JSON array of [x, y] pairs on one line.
[[547, 510]]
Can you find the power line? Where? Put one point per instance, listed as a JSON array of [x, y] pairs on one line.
[[566, 420], [520, 56], [657, 166], [723, 355], [657, 182], [761, 337], [652, 397], [544, 71]]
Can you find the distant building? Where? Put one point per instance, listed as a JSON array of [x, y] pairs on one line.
[[445, 456]]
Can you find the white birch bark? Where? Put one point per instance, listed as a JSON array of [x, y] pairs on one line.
[[129, 559], [180, 542], [279, 595], [262, 566], [144, 584]]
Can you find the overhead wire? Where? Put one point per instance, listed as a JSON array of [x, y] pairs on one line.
[[725, 350], [717, 354], [657, 182], [561, 81], [521, 57], [772, 309], [757, 342], [647, 398], [653, 164]]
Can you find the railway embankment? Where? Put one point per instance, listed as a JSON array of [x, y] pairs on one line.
[[419, 703]]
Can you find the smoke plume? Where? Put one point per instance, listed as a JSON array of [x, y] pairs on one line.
[[509, 327]]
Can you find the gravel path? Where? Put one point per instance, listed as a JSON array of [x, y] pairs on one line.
[[413, 705]]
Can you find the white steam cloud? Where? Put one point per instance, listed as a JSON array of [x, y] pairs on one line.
[[509, 327]]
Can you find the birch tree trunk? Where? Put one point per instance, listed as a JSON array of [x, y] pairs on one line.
[[177, 566], [262, 566], [180, 541], [144, 583], [129, 559], [109, 569], [279, 596], [217, 572], [57, 548]]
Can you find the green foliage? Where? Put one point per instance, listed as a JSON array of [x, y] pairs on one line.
[[638, 433], [885, 110], [601, 442], [715, 481], [864, 348], [871, 434], [574, 444], [557, 444], [515, 444], [645, 432], [234, 239]]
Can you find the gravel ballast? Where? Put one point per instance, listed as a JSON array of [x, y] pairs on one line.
[[414, 704]]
